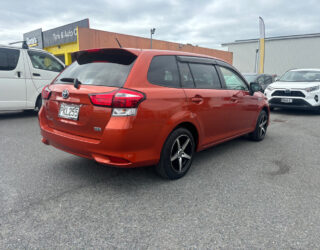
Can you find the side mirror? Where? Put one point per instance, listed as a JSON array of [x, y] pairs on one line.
[[276, 79], [254, 87]]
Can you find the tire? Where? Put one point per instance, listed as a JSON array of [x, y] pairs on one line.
[[261, 127], [177, 154], [38, 103]]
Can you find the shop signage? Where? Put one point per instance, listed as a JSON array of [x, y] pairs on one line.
[[34, 38], [63, 34]]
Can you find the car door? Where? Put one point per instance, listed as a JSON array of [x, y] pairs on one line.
[[206, 100], [244, 105], [12, 79], [43, 69]]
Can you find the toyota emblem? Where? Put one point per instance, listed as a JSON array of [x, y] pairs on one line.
[[65, 94], [287, 91]]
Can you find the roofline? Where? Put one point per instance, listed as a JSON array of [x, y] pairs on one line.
[[273, 38]]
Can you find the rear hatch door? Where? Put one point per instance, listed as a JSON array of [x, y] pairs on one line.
[[69, 108]]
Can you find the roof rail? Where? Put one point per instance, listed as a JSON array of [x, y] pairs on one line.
[[24, 44]]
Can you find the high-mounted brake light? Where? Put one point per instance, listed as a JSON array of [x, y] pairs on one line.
[[46, 92], [123, 101]]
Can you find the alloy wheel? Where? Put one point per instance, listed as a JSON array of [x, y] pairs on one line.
[[181, 153], [263, 126]]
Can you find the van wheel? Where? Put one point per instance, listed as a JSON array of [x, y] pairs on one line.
[[261, 127], [177, 154], [38, 103]]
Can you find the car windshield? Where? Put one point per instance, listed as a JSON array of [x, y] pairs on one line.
[[301, 76], [250, 78]]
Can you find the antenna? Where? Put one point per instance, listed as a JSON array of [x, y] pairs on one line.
[[24, 44], [118, 42]]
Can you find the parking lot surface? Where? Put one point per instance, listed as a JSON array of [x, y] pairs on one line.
[[240, 194]]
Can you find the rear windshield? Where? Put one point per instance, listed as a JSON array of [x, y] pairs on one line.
[[103, 68]]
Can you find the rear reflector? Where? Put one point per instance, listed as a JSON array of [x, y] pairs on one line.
[[46, 92]]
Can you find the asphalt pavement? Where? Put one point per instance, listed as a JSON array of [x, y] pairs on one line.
[[240, 194]]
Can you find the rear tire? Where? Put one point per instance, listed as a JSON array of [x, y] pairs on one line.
[[177, 154], [38, 104], [261, 127]]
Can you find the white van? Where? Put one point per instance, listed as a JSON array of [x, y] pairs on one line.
[[23, 74]]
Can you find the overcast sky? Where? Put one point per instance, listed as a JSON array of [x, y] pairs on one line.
[[199, 22]]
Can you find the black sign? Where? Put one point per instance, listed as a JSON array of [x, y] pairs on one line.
[[34, 38], [63, 34]]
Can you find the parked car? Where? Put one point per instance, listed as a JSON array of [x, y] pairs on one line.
[[297, 89], [264, 80], [130, 108], [23, 74]]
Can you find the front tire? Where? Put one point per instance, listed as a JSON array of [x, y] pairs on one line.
[[261, 127], [177, 154]]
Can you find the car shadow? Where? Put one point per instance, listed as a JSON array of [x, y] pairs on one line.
[[17, 114], [89, 172], [295, 112]]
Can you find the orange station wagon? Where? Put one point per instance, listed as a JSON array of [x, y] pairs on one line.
[[131, 108]]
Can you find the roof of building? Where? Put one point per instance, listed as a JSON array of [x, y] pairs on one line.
[[274, 38]]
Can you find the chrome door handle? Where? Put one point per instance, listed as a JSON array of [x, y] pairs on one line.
[[197, 99]]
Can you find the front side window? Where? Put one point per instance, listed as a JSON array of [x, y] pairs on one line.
[[260, 80], [267, 79], [9, 58], [232, 80], [44, 61], [163, 71], [205, 76]]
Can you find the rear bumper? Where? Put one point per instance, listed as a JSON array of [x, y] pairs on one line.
[[114, 149]]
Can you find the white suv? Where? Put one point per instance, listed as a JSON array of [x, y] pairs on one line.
[[298, 89], [23, 74]]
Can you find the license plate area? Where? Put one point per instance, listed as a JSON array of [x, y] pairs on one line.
[[69, 111], [286, 100]]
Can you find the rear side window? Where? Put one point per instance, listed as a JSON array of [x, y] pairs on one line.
[[205, 76], [9, 58], [44, 61], [186, 76], [163, 71], [96, 73]]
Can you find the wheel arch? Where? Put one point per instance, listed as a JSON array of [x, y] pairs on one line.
[[192, 128]]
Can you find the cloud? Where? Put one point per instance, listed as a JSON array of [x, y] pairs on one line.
[[205, 23]]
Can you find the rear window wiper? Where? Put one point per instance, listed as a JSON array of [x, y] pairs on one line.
[[75, 81]]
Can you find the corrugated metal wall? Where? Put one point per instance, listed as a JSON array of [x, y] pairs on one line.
[[90, 38], [281, 55]]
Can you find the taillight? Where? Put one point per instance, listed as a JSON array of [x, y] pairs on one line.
[[123, 101], [46, 92]]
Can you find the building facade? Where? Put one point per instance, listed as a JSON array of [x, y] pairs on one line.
[[63, 41], [281, 53]]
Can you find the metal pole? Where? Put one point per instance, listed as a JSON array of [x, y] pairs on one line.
[[151, 32]]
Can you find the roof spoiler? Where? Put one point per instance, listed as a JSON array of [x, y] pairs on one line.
[[120, 56]]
